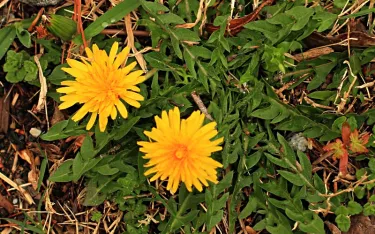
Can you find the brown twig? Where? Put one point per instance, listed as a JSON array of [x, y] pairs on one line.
[[201, 105], [35, 21], [122, 32], [236, 25], [79, 21]]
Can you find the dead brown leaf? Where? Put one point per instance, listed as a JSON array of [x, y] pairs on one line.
[[4, 114], [78, 140], [33, 177], [332, 228], [358, 39], [57, 116], [361, 224], [5, 203], [138, 56], [313, 53], [26, 155], [43, 87], [236, 25]]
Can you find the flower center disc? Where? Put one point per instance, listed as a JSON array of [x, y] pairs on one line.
[[181, 152]]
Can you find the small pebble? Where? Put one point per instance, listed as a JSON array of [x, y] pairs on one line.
[[15, 201], [35, 132], [298, 142]]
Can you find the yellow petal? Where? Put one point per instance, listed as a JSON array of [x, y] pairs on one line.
[[74, 72], [122, 109], [174, 119], [66, 90], [77, 65], [132, 77], [131, 102], [91, 121], [121, 57], [112, 53], [89, 53], [133, 95], [113, 113], [128, 68], [103, 120], [66, 105], [82, 112]]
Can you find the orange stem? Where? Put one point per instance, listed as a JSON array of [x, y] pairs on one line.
[[79, 23], [35, 21]]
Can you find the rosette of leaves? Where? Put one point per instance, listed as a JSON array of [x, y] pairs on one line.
[[19, 67]]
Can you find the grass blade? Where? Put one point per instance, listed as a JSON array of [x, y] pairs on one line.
[[112, 16]]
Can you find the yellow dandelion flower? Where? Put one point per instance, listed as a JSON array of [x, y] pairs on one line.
[[101, 85], [180, 150]]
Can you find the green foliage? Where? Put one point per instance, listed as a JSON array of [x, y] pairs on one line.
[[22, 67], [111, 16], [7, 35], [263, 179]]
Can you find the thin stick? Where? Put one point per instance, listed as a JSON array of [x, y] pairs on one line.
[[201, 105], [27, 196], [35, 21], [43, 86]]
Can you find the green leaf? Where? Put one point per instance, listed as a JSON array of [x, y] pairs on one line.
[[87, 148], [253, 159], [190, 62], [7, 35], [301, 16], [294, 215], [81, 165], [321, 73], [223, 184], [13, 61], [277, 161], [342, 210], [326, 20], [31, 70], [266, 113], [64, 173], [170, 18], [63, 129], [154, 7], [360, 13], [184, 34], [24, 226], [339, 3], [123, 130], [293, 178], [128, 183], [319, 183], [354, 208], [360, 192], [13, 77], [249, 208], [287, 152], [314, 226], [355, 64], [306, 165], [58, 75], [322, 95], [42, 171], [109, 17], [23, 35], [265, 27], [343, 222], [215, 219], [96, 190]]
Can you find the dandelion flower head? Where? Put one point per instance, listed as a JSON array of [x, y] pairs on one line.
[[101, 85], [180, 150]]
